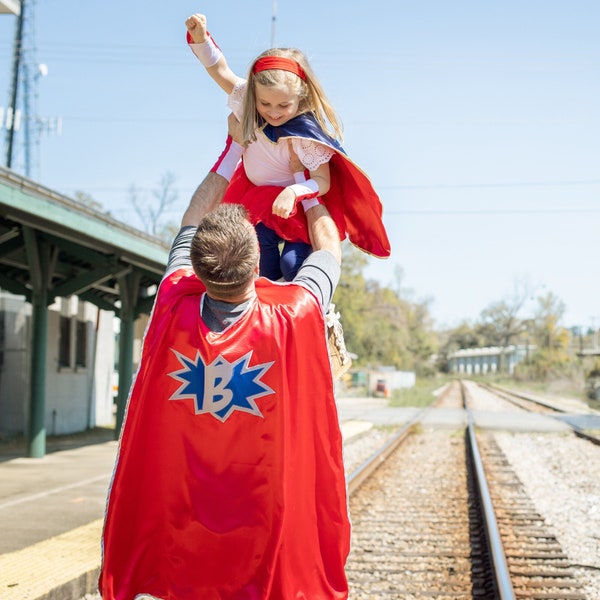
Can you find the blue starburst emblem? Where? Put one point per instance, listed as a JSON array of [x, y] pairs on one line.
[[221, 387]]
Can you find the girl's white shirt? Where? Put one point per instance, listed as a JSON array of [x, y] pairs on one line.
[[268, 163]]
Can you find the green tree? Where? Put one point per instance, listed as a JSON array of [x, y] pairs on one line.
[[503, 320], [463, 335], [551, 358], [546, 323], [351, 299], [380, 326], [422, 340]]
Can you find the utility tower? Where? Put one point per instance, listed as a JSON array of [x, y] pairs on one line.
[[9, 6], [21, 112]]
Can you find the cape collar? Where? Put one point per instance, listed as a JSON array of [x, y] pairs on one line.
[[305, 126]]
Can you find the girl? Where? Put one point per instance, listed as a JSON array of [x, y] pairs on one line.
[[282, 101]]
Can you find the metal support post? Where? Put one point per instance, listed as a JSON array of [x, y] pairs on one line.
[[125, 368], [42, 261], [37, 404], [129, 288]]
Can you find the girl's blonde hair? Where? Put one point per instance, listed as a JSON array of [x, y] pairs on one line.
[[312, 96]]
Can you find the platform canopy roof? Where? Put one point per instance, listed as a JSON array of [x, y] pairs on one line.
[[73, 249], [10, 6]]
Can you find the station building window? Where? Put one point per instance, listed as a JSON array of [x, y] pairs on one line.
[[81, 344], [64, 342], [73, 336]]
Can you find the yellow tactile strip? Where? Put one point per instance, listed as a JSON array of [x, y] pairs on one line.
[[34, 572]]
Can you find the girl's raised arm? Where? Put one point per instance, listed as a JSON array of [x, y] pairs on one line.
[[208, 53]]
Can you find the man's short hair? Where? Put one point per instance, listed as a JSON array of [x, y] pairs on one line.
[[224, 251]]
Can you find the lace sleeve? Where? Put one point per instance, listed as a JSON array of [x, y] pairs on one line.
[[235, 101], [311, 154]]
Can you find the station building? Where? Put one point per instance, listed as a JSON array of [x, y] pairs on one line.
[[494, 359], [79, 369], [76, 289]]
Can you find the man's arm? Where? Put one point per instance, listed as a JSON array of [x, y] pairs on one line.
[[208, 195], [320, 272], [323, 231]]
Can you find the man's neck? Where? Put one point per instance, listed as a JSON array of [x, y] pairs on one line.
[[240, 298]]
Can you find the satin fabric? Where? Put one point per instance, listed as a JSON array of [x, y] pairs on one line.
[[248, 503], [352, 201]]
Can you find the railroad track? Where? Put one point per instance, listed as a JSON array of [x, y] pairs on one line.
[[534, 404], [426, 525], [524, 401]]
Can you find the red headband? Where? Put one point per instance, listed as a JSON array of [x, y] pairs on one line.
[[279, 62]]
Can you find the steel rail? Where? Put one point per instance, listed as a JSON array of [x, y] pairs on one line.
[[506, 394], [355, 479], [499, 563]]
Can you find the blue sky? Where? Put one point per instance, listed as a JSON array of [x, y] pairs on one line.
[[477, 122]]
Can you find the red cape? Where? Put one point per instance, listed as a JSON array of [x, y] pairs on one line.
[[353, 203], [229, 482]]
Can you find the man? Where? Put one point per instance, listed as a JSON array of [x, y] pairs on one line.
[[229, 482]]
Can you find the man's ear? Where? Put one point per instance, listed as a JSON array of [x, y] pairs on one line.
[[257, 267]]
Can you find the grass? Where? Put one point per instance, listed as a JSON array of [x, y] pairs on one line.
[[419, 395], [557, 387]]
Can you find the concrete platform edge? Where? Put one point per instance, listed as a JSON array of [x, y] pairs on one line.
[[86, 583]]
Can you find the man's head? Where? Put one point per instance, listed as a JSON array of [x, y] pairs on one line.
[[224, 252]]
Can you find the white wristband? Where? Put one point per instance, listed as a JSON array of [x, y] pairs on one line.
[[299, 177], [307, 189], [229, 159], [309, 203], [208, 53]]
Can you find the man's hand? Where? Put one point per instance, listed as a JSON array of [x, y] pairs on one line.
[[323, 232], [196, 25]]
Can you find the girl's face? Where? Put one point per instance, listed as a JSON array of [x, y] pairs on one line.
[[276, 104]]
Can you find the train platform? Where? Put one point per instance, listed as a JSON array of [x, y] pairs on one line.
[[51, 509]]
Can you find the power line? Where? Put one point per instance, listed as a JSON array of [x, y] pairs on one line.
[[379, 188], [495, 211], [418, 212], [378, 60], [443, 186]]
